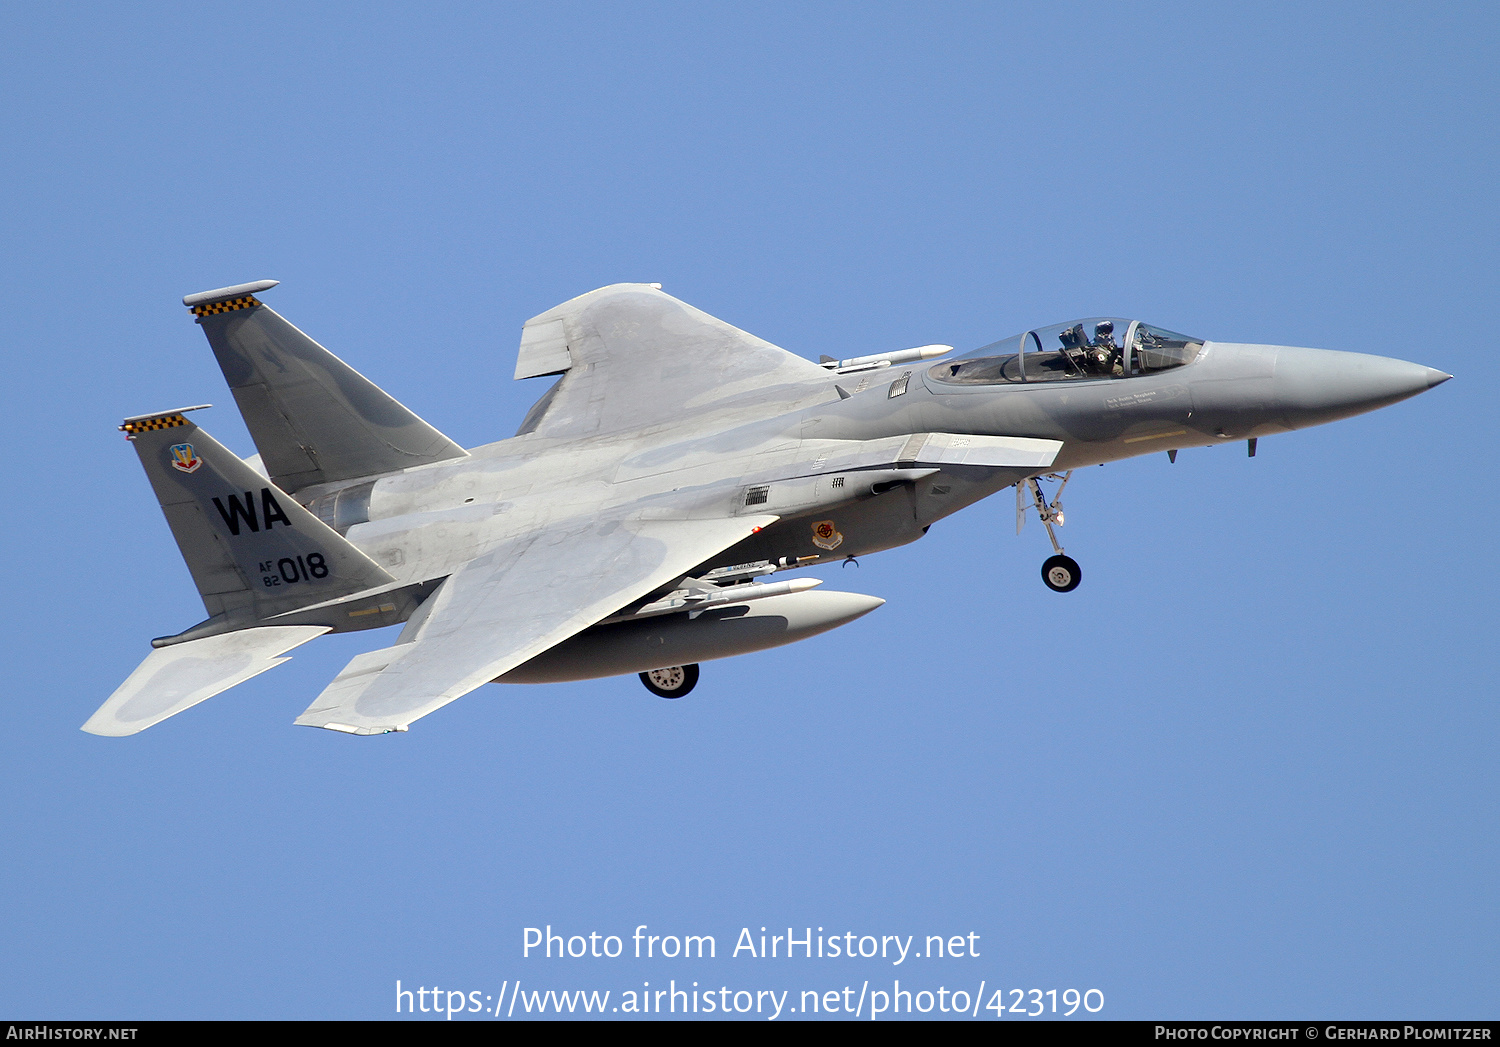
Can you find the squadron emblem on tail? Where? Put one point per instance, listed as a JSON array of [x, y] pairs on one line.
[[183, 458]]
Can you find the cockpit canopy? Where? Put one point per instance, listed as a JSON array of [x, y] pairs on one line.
[[1100, 347]]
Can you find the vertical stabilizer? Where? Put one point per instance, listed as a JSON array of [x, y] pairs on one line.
[[252, 549], [313, 417]]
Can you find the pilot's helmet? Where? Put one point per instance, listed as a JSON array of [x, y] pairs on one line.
[[1104, 327]]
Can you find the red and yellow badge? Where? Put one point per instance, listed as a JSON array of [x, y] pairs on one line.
[[826, 535], [183, 458]]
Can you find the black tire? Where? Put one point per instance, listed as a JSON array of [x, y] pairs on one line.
[[1061, 573], [674, 681]]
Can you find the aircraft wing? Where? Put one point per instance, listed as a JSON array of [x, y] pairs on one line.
[[512, 603], [633, 357]]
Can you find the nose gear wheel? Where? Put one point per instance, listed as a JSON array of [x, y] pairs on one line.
[[1061, 573]]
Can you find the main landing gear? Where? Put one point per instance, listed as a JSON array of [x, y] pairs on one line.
[[1060, 572], [671, 682]]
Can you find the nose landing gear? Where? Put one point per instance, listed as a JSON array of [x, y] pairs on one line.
[[671, 682], [1060, 572]]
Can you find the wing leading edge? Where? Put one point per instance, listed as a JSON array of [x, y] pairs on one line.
[[509, 605]]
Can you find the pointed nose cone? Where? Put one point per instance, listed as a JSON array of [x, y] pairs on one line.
[[1319, 385]]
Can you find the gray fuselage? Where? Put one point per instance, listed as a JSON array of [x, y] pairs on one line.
[[420, 523]]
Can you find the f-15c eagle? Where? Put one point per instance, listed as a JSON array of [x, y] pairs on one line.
[[626, 525]]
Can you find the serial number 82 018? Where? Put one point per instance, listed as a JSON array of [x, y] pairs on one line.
[[289, 571]]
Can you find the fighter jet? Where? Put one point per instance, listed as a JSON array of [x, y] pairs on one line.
[[644, 515]]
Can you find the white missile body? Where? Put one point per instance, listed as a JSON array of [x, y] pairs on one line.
[[877, 360]]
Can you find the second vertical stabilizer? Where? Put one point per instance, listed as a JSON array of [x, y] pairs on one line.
[[314, 418]]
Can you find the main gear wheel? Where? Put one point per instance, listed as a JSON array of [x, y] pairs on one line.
[[674, 681]]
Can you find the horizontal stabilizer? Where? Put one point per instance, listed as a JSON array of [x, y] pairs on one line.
[[314, 418], [175, 678]]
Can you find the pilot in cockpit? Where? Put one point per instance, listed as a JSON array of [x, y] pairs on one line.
[[1103, 356]]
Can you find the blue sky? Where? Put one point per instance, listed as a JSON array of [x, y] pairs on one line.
[[1246, 770]]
